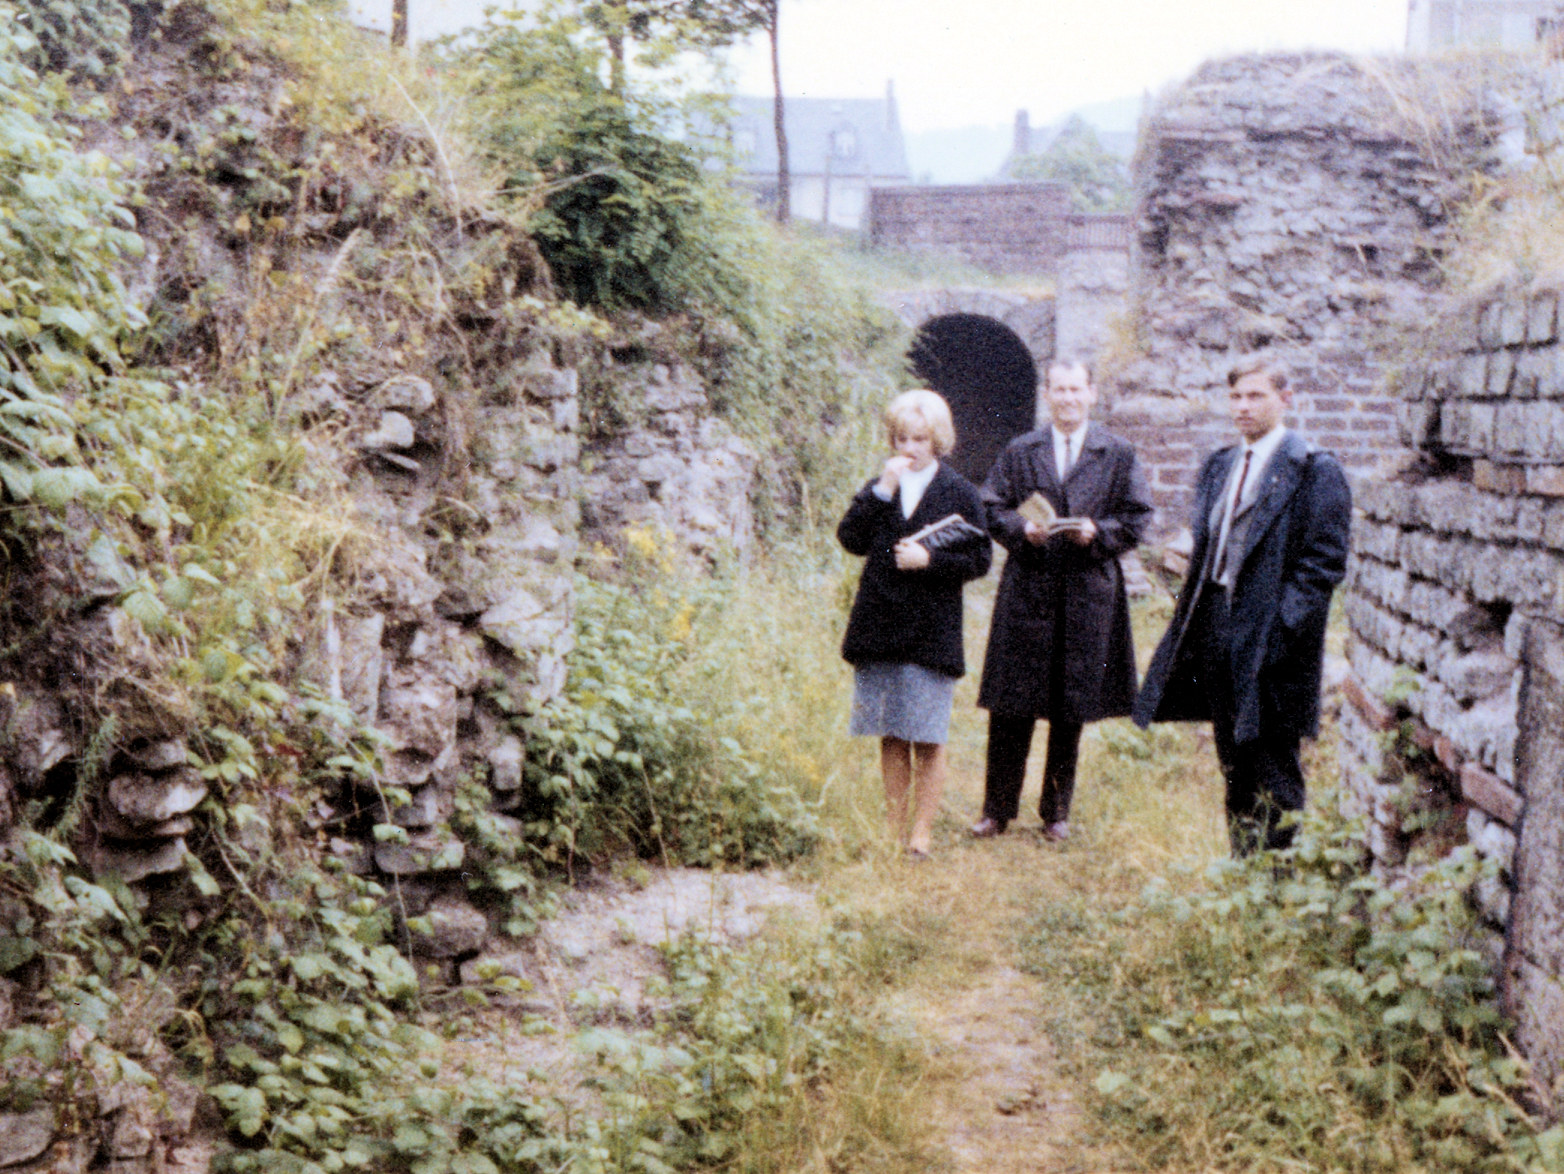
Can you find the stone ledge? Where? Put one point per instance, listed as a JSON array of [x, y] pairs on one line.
[[1487, 791]]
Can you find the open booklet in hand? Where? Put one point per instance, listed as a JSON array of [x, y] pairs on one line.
[[948, 531], [1038, 510]]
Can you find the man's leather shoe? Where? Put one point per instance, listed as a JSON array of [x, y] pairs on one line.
[[987, 828], [1058, 831]]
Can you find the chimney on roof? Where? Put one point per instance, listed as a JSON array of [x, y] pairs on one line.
[[1023, 136], [890, 105]]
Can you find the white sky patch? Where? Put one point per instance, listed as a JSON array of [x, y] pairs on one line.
[[959, 62]]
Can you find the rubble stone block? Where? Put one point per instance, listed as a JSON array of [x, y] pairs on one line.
[[159, 756], [1486, 791], [1494, 899], [133, 863], [1498, 478], [405, 393], [420, 715], [1480, 429], [23, 1136], [1490, 335], [431, 851], [1375, 713], [1501, 373], [1477, 674], [143, 800], [1550, 384], [455, 928], [1471, 376], [505, 763], [1531, 367]]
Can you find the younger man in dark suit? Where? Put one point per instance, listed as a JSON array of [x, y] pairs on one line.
[[1059, 647], [1244, 650]]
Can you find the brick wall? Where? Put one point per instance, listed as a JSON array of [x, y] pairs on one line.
[[1455, 600], [1004, 228]]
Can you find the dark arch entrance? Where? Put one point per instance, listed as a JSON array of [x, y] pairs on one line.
[[987, 376]]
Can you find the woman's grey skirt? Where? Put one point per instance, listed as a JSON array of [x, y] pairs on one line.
[[905, 701]]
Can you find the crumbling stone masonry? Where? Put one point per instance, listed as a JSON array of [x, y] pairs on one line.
[[1456, 605], [1281, 204]]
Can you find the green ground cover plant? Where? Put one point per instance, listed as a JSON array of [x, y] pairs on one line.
[[1298, 1011], [626, 759]]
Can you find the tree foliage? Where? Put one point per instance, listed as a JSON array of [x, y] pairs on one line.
[[1098, 179]]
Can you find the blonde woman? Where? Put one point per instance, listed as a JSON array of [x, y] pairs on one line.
[[904, 633]]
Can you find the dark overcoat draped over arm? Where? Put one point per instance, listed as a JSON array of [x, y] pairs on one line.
[[1098, 678], [1293, 555], [912, 617]]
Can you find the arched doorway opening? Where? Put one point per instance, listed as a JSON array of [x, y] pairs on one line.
[[988, 377]]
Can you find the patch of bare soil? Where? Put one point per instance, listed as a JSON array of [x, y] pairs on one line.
[[1001, 1109], [591, 963]]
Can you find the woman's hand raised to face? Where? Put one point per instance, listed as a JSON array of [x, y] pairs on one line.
[[890, 476]]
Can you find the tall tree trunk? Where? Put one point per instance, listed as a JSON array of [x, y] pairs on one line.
[[399, 22], [784, 176], [616, 63]]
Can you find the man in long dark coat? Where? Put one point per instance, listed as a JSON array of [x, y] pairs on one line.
[[1059, 647], [1271, 522]]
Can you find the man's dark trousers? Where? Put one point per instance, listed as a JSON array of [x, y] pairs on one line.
[[1264, 776], [1009, 742]]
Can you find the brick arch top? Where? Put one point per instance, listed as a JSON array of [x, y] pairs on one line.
[[983, 351], [1030, 318]]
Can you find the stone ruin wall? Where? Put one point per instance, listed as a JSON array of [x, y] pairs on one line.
[[413, 655], [1455, 600], [1279, 205], [430, 622]]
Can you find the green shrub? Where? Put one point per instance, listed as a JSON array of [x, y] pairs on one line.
[[622, 759], [1298, 1010], [86, 38], [754, 1050], [792, 349]]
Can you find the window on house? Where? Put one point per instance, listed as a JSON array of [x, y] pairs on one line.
[[844, 143]]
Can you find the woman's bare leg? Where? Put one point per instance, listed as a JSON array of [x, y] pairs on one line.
[[931, 788], [896, 770]]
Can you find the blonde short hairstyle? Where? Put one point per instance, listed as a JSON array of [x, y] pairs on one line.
[[921, 409]]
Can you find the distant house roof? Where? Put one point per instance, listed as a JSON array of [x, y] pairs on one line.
[[862, 136]]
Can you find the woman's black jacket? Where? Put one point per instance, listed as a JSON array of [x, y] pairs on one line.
[[912, 617]]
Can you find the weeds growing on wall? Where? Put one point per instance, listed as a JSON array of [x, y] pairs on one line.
[[1293, 1010], [619, 194]]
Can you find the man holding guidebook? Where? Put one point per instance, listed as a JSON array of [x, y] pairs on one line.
[[1065, 501]]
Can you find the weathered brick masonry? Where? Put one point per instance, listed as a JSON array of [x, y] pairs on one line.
[[1455, 600], [1001, 227], [1280, 205]]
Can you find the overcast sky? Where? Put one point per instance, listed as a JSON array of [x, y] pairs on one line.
[[964, 62]]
